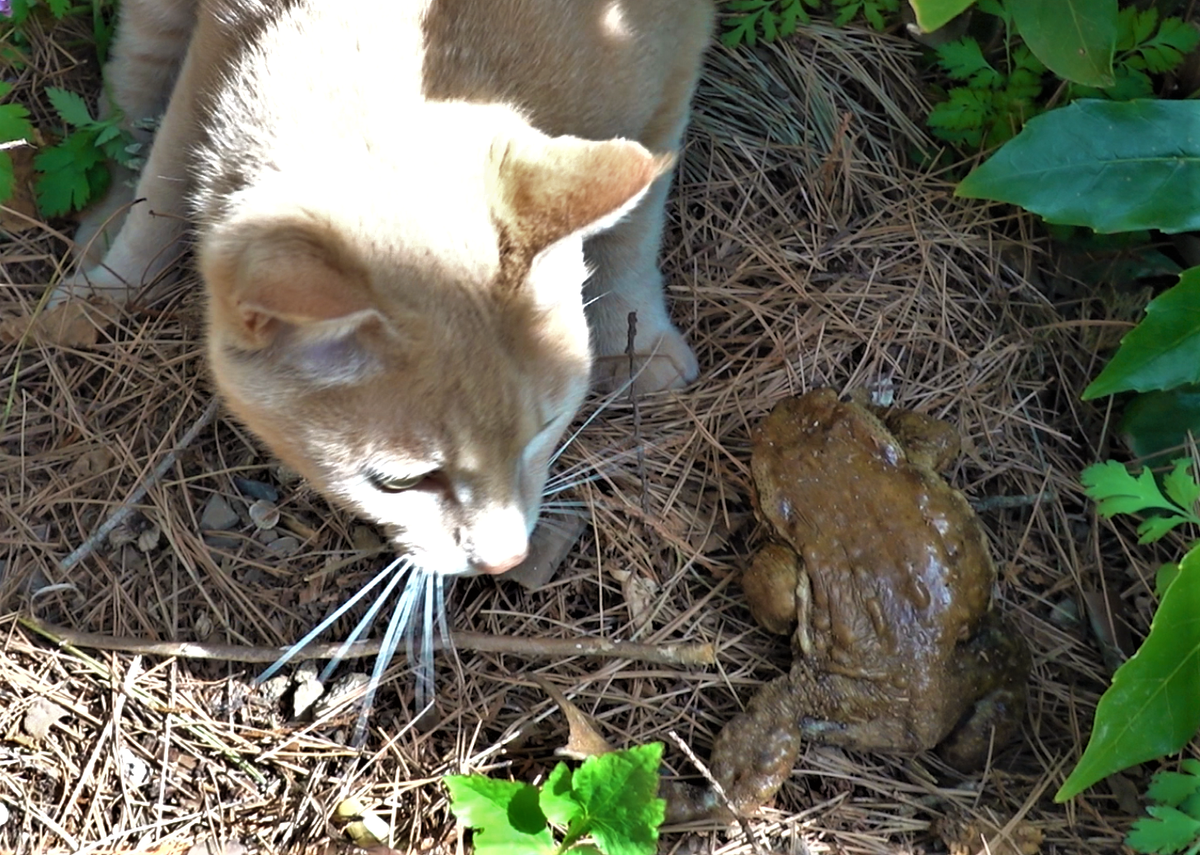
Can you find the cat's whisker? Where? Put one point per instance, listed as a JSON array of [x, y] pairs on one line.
[[608, 400], [369, 618], [299, 646], [609, 464], [387, 647]]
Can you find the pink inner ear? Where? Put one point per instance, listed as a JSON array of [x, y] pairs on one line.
[[299, 276], [549, 188]]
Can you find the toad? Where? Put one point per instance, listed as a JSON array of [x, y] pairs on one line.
[[880, 571]]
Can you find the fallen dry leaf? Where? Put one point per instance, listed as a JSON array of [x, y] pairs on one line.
[[40, 717], [76, 323], [583, 738], [19, 212], [979, 836], [640, 594]]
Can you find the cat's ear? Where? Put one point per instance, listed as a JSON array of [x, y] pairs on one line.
[[292, 276], [543, 189]]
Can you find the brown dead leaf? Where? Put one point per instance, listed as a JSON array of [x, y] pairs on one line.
[[93, 463], [979, 836], [640, 594], [76, 323], [19, 212], [584, 739]]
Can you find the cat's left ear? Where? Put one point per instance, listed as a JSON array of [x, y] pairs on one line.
[[290, 280], [543, 189]]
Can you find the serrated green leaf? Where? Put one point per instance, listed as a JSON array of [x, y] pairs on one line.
[[70, 107], [1134, 26], [1181, 487], [1102, 164], [557, 801], [1076, 39], [618, 793], [1152, 707], [59, 8], [1115, 491], [1172, 788], [1161, 352], [504, 814], [935, 14], [14, 123], [1166, 49], [963, 59], [1131, 83], [1156, 527], [1169, 831]]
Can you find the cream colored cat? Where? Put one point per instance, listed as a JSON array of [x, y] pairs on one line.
[[391, 200]]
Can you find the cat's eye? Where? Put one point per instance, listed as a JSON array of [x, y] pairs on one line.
[[393, 484]]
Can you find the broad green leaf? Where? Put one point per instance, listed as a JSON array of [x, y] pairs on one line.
[[1111, 166], [1163, 577], [1152, 707], [557, 801], [1161, 352], [504, 814], [71, 107], [935, 14], [1155, 423], [618, 793], [1169, 831], [1074, 38]]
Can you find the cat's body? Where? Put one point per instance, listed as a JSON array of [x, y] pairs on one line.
[[391, 199]]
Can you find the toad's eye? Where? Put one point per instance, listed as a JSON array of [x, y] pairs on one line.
[[394, 484]]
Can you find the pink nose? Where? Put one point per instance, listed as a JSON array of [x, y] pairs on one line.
[[504, 565]]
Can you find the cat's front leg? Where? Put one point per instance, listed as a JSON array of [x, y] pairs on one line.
[[626, 279], [122, 243]]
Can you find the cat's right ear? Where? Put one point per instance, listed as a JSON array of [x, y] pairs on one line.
[[291, 278], [543, 189]]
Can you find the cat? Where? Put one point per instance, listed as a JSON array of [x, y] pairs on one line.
[[401, 209]]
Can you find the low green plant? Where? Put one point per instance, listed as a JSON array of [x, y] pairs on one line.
[[72, 172], [1174, 822], [609, 805], [747, 21]]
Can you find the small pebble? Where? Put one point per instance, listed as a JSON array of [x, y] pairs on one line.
[[272, 690], [267, 535], [264, 514], [285, 474], [256, 489], [343, 687], [218, 542], [218, 515], [284, 547], [306, 694]]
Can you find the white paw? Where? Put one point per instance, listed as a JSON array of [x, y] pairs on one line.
[[660, 362], [97, 282]]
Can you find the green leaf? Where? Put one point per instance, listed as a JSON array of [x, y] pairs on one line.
[[504, 814], [59, 8], [1173, 788], [1155, 425], [8, 179], [1161, 352], [1181, 487], [70, 107], [1170, 830], [1166, 49], [618, 794], [71, 173], [1106, 165], [1115, 491], [1074, 38], [1163, 578], [14, 122], [557, 801], [1156, 527], [964, 60], [935, 14], [1152, 707]]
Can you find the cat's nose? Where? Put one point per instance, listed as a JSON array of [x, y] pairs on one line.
[[495, 568]]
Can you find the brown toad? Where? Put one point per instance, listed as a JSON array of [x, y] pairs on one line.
[[882, 570]]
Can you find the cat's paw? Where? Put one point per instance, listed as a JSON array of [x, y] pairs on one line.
[[98, 281], [659, 363]]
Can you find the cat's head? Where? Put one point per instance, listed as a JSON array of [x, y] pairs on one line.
[[419, 358]]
